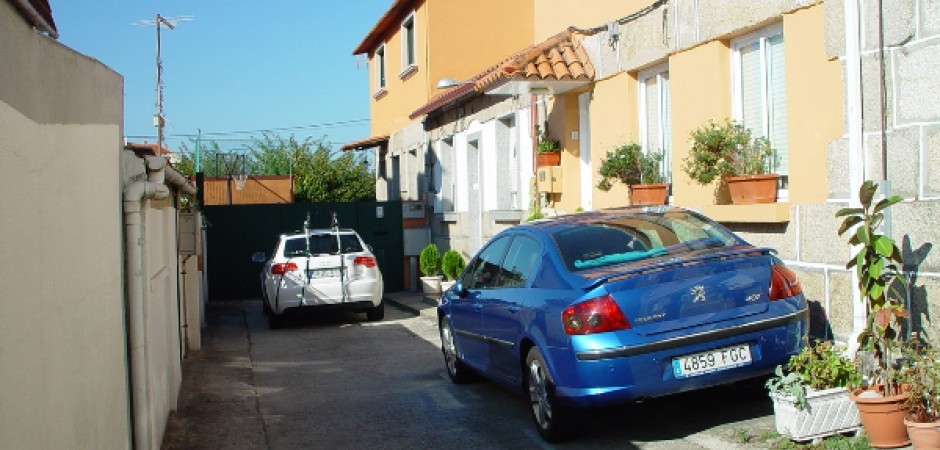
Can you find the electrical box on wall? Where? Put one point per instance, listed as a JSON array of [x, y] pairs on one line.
[[412, 210], [548, 179], [188, 229]]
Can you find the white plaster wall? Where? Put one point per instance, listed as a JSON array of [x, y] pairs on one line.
[[488, 171], [63, 367]]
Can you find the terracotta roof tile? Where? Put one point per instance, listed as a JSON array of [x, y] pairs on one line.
[[363, 144], [558, 58]]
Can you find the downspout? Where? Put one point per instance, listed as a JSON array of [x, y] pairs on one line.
[[853, 93], [134, 194]]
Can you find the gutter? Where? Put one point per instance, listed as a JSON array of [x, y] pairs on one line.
[[154, 188]]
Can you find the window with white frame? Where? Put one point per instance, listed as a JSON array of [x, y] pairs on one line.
[[654, 113], [760, 91], [379, 60], [408, 57]]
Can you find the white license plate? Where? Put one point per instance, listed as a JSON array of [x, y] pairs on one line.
[[711, 361], [323, 273]]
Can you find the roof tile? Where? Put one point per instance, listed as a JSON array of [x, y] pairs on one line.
[[559, 57]]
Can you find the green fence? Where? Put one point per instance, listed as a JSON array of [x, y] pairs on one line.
[[235, 232]]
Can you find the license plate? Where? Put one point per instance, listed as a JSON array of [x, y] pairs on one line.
[[711, 361], [323, 273]]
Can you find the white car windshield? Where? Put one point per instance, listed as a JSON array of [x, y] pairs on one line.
[[322, 244]]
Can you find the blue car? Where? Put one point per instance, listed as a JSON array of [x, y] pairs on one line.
[[616, 306]]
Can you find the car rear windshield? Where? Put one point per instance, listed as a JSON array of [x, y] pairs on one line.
[[322, 244], [635, 238]]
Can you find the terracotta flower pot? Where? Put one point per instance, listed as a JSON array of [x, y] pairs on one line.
[[549, 159], [648, 194], [883, 418], [753, 189], [923, 435]]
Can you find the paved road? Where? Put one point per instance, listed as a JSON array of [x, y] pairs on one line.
[[338, 381]]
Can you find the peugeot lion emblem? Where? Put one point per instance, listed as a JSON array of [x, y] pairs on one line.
[[698, 292]]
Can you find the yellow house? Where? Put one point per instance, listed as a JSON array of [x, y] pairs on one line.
[[412, 47], [803, 74]]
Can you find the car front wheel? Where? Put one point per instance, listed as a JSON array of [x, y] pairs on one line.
[[457, 371], [551, 418]]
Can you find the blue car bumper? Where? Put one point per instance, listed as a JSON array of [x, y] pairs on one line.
[[591, 375]]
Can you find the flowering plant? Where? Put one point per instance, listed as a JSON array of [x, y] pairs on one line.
[[721, 150], [630, 165], [546, 144]]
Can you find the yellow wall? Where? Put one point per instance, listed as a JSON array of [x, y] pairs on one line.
[[553, 16], [700, 89], [814, 103], [613, 122], [451, 40]]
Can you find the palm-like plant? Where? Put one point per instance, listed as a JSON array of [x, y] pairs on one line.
[[878, 266]]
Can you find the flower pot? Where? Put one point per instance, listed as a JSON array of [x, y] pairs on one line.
[[648, 194], [753, 189], [883, 418], [829, 412], [445, 285], [923, 435], [431, 285], [549, 159]]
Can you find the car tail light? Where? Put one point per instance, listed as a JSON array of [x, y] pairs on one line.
[[594, 316], [368, 261], [783, 282], [282, 268]]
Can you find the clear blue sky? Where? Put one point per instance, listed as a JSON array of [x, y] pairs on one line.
[[239, 65]]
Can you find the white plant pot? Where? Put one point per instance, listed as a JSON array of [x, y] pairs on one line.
[[445, 285], [829, 412], [431, 285]]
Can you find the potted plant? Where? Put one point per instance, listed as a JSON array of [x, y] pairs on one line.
[[878, 266], [639, 170], [548, 149], [728, 153], [430, 263], [452, 266], [811, 397], [922, 377]]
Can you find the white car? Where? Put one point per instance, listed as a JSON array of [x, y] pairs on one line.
[[330, 270]]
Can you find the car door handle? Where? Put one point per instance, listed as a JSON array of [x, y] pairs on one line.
[[514, 308], [478, 307]]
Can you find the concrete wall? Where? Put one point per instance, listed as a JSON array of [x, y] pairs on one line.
[[62, 345]]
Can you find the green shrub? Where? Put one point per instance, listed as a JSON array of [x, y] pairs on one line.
[[453, 265], [430, 260]]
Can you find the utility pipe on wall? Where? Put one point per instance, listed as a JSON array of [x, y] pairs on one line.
[[134, 194]]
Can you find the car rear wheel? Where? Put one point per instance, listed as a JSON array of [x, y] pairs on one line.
[[551, 418], [275, 320], [376, 313], [457, 371]]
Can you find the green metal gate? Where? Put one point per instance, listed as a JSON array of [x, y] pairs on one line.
[[235, 232]]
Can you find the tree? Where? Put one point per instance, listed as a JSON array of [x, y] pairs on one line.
[[319, 174]]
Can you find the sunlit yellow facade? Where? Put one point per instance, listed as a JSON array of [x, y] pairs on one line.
[[452, 40]]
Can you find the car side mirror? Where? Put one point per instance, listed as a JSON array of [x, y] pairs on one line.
[[258, 257], [460, 289]]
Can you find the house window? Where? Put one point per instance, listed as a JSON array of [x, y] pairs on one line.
[[408, 58], [655, 120], [380, 68], [760, 91]]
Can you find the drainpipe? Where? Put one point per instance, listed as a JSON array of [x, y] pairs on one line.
[[134, 194], [853, 92]]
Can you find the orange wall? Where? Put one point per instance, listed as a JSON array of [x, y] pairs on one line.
[[453, 39], [700, 89], [613, 122], [814, 103]]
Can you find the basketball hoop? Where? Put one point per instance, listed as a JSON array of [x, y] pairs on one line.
[[240, 180]]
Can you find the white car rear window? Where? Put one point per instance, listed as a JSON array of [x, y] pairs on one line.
[[322, 244]]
